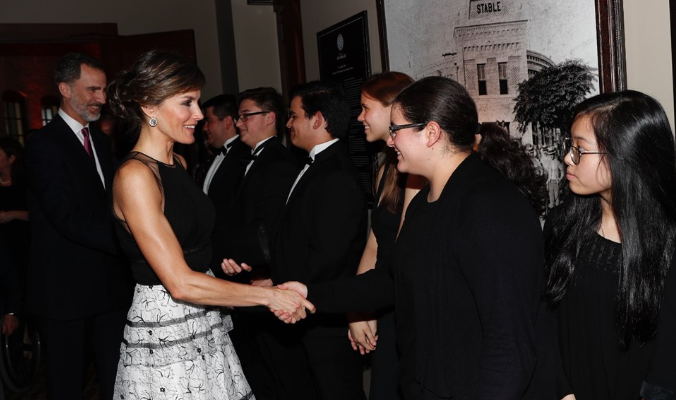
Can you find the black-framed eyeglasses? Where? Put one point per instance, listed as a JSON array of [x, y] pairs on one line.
[[576, 153], [395, 128], [245, 116]]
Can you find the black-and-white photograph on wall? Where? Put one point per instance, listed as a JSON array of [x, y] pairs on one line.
[[526, 63]]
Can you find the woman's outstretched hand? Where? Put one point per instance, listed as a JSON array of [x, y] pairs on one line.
[[289, 305]]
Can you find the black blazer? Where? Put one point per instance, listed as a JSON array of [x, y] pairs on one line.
[[10, 281], [74, 271], [322, 230], [467, 284], [222, 191], [257, 205]]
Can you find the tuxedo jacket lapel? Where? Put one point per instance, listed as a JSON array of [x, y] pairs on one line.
[[228, 177], [104, 156], [313, 169], [227, 162], [262, 155], [222, 168]]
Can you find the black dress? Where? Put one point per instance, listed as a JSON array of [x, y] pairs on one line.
[[17, 232], [385, 360], [175, 349], [594, 367]]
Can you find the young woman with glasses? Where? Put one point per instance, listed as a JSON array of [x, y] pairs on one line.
[[609, 248], [466, 276]]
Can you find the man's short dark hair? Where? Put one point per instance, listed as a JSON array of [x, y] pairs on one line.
[[225, 105], [268, 99], [330, 100], [69, 69]]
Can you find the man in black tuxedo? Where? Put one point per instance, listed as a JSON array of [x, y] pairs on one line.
[[322, 231], [267, 175], [78, 287], [224, 175]]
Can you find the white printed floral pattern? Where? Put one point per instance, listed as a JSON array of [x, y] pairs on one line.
[[177, 351]]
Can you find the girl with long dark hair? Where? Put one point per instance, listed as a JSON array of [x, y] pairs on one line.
[[610, 245], [506, 154]]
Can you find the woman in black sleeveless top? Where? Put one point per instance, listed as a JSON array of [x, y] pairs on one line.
[[392, 193], [174, 344]]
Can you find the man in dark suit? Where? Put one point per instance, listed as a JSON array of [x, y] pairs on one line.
[[77, 285], [267, 175], [224, 175], [322, 231]]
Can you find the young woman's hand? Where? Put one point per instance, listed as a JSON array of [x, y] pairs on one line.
[[363, 335]]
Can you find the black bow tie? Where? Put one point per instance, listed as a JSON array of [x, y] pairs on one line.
[[223, 149], [309, 161], [253, 156]]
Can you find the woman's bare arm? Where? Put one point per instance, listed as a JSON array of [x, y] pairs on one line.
[[138, 201]]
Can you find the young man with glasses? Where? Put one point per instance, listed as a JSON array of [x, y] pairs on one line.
[[267, 174]]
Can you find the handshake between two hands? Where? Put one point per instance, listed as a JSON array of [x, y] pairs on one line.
[[288, 301]]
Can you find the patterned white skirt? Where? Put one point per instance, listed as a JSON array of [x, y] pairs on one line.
[[178, 351]]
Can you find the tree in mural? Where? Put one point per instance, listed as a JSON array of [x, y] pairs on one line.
[[545, 102], [547, 99]]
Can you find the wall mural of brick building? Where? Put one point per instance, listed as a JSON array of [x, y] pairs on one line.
[[491, 47]]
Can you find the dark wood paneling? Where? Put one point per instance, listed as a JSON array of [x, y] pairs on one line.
[[290, 38], [610, 41]]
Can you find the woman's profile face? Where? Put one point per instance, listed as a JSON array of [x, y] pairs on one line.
[[178, 115], [591, 175], [375, 117], [409, 143]]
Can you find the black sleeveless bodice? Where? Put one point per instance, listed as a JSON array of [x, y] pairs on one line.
[[384, 224], [189, 212]]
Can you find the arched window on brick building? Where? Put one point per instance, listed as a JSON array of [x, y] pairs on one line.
[[50, 107], [16, 121]]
